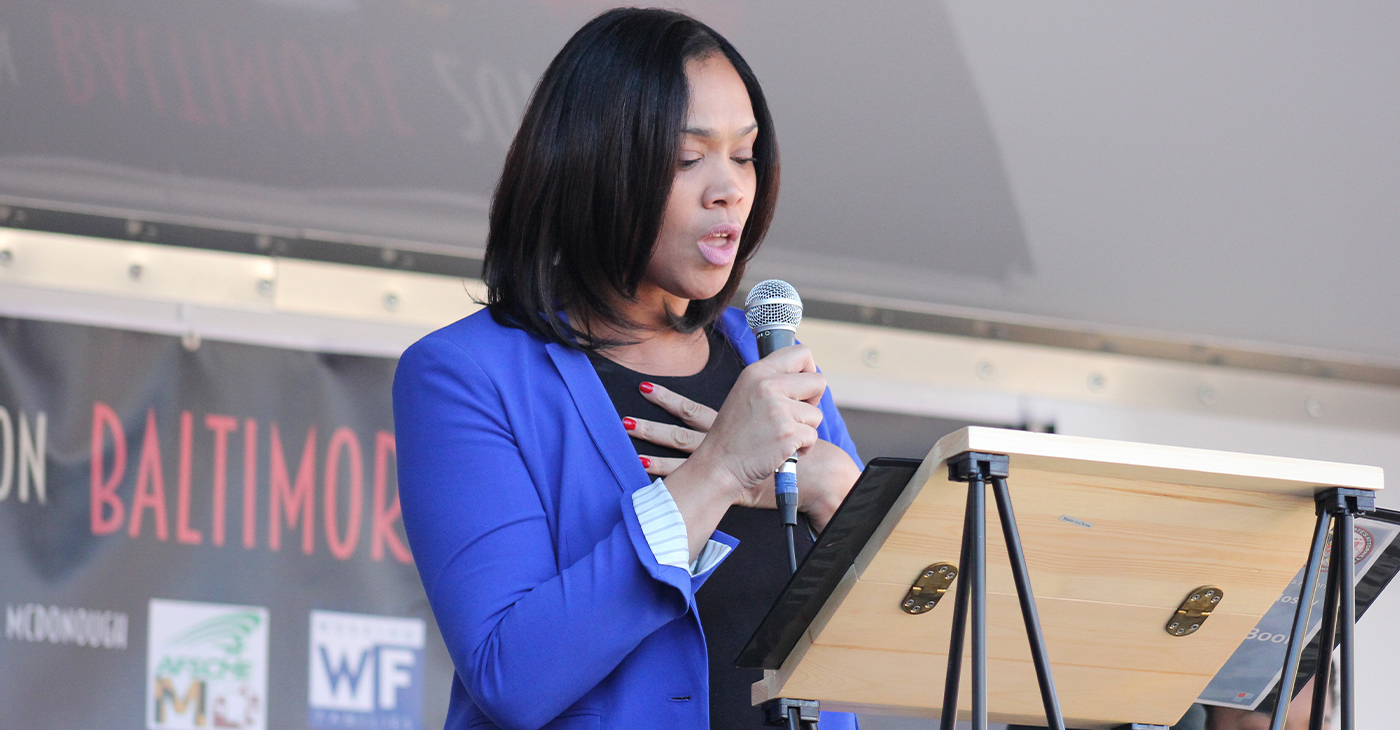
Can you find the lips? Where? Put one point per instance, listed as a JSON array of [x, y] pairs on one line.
[[720, 244]]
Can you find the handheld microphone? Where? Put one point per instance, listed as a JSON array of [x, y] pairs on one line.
[[773, 310]]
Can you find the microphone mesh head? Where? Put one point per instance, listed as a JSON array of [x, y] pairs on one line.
[[773, 304]]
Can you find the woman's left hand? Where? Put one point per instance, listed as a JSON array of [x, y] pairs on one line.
[[824, 475]]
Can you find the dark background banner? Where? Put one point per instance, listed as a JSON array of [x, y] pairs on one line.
[[387, 121], [377, 118], [138, 471]]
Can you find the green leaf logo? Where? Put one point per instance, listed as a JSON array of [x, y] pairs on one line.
[[226, 632]]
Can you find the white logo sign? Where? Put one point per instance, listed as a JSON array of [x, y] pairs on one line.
[[206, 666], [81, 626], [366, 672]]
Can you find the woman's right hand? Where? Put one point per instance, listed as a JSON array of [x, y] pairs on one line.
[[771, 413]]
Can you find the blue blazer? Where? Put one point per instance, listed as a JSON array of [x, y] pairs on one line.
[[515, 479]]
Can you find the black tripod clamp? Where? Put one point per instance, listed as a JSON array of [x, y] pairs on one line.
[[971, 465], [1339, 501], [793, 714]]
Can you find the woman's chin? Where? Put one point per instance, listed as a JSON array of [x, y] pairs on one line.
[[708, 292], [700, 287]]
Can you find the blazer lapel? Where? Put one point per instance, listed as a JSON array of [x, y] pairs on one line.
[[733, 325], [599, 416]]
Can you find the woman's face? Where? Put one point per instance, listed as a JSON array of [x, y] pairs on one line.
[[713, 189]]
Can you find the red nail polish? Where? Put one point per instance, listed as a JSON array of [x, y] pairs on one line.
[[646, 387], [646, 463], [629, 424]]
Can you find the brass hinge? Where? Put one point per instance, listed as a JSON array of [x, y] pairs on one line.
[[930, 586], [1194, 611]]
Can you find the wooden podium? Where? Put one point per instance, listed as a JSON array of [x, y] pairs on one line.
[[1117, 537]]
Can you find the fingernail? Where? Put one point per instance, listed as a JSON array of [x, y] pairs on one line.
[[646, 387], [646, 463], [629, 424]]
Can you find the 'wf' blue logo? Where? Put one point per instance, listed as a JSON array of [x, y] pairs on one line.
[[343, 671], [366, 672]]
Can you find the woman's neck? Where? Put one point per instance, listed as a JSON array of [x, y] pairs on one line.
[[654, 346]]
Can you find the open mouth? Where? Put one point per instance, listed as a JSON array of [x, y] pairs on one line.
[[720, 244]]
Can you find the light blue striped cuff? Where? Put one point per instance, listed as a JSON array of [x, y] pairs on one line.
[[664, 528]]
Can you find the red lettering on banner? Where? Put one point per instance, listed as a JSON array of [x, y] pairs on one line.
[[344, 439], [292, 501], [75, 65], [190, 111], [216, 97], [150, 483], [294, 59], [183, 532], [148, 69], [284, 75], [250, 483], [382, 525], [222, 426], [248, 70], [385, 77], [357, 113], [103, 491], [111, 49], [298, 500]]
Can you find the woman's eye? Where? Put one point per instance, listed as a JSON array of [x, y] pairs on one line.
[[743, 160], [687, 164]]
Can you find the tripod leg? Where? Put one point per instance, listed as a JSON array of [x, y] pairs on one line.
[[1048, 697], [1300, 622], [978, 589], [1326, 638], [955, 641], [1346, 575]]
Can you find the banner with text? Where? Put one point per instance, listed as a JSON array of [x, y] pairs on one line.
[[204, 539]]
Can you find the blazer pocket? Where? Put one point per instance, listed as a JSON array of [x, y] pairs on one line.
[[576, 720]]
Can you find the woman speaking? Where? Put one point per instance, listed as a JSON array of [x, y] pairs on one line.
[[580, 458]]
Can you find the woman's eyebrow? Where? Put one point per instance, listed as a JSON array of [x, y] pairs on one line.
[[710, 133]]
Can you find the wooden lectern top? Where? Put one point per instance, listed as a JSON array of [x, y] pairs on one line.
[[1116, 536]]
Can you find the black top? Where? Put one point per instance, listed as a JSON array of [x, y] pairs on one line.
[[736, 597]]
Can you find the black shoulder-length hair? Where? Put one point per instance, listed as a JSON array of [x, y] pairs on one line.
[[578, 209]]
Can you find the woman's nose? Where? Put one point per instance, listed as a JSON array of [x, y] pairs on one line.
[[724, 191]]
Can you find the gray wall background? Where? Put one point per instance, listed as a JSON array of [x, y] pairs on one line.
[[1212, 170]]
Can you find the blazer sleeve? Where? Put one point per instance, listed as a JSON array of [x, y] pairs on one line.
[[528, 636], [833, 428]]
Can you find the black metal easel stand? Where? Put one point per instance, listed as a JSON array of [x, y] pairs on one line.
[[977, 469], [1337, 508]]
